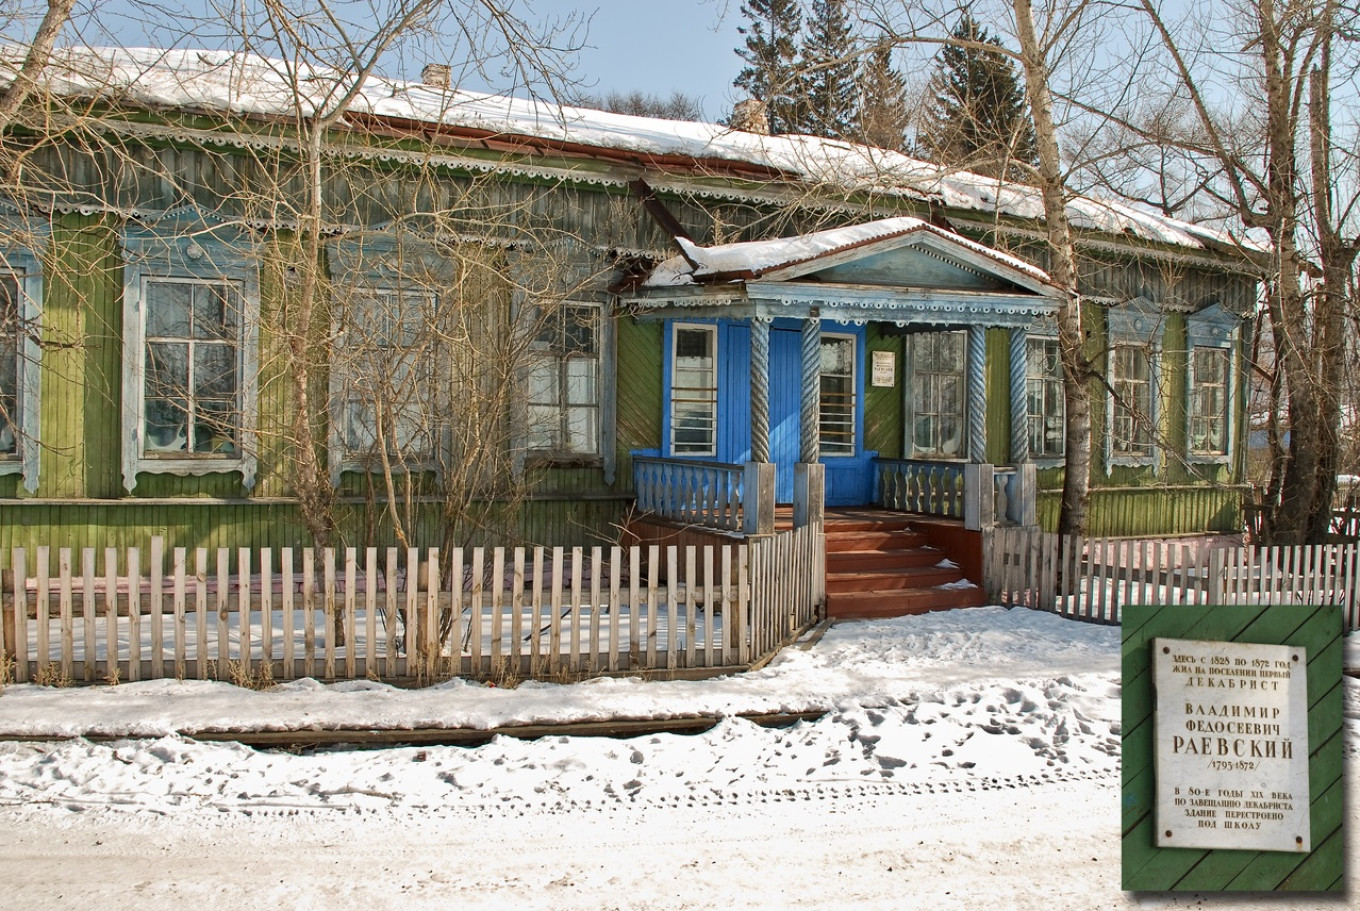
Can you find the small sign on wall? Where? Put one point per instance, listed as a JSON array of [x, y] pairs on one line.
[[884, 372]]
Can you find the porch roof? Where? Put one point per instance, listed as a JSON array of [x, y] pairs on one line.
[[898, 270]]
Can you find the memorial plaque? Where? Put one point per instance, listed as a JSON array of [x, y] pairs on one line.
[[884, 371], [1231, 745]]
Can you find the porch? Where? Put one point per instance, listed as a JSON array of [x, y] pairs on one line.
[[917, 547]]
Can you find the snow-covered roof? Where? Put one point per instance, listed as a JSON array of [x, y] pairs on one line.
[[754, 259], [248, 84]]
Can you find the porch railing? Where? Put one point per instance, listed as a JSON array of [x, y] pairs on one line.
[[912, 485], [690, 491], [981, 494]]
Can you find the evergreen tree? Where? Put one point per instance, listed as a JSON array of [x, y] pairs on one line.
[[770, 76], [883, 115], [828, 105], [977, 117]]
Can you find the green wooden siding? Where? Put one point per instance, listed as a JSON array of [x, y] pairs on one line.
[[82, 317], [883, 405], [1147, 867]]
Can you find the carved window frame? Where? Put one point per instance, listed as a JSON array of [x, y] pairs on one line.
[[23, 262], [1139, 324], [193, 252]]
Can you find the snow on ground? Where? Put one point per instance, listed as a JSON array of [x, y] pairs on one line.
[[964, 756]]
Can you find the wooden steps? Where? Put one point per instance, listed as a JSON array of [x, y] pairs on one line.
[[879, 565]]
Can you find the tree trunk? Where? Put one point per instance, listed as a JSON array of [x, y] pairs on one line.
[[1063, 270]]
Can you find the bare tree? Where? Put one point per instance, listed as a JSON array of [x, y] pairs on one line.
[[1303, 199]]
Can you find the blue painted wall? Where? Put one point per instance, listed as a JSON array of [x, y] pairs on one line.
[[849, 479]]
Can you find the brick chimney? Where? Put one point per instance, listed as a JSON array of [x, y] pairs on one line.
[[749, 115], [436, 75]]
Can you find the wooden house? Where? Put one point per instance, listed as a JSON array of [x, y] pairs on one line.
[[733, 322]]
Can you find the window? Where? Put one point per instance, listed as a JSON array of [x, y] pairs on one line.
[[694, 390], [385, 376], [837, 424], [937, 390], [1045, 405], [1211, 336], [190, 300], [192, 392], [1131, 405], [564, 381], [20, 297], [11, 430], [1209, 387]]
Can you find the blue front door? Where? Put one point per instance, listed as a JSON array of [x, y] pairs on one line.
[[786, 354]]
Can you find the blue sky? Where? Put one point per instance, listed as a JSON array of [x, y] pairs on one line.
[[657, 47], [653, 46]]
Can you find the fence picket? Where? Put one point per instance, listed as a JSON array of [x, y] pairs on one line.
[[517, 614], [309, 611], [329, 626], [289, 628], [370, 612], [178, 608], [536, 628], [555, 621], [201, 613], [574, 655], [243, 636], [634, 604], [67, 611], [42, 613], [155, 570], [88, 613], [351, 579], [615, 605], [19, 562], [593, 664], [393, 607], [134, 603], [710, 607], [267, 609], [672, 634], [221, 605], [111, 668], [497, 608], [653, 581]]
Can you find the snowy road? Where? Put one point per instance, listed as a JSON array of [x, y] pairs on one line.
[[964, 757]]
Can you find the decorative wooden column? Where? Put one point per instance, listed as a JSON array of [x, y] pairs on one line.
[[809, 475], [760, 389], [977, 394], [758, 491], [1019, 396]]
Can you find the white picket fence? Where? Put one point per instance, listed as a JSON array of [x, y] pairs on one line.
[[1093, 578], [387, 614]]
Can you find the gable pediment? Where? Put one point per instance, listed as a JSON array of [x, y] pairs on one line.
[[910, 266]]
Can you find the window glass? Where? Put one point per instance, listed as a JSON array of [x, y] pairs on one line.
[[694, 391], [563, 380], [1131, 380], [1209, 401], [837, 424], [387, 361], [937, 388], [1044, 398], [192, 388], [10, 338]]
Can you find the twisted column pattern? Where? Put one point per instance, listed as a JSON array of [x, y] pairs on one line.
[[810, 413], [977, 394], [1019, 405], [760, 389]]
